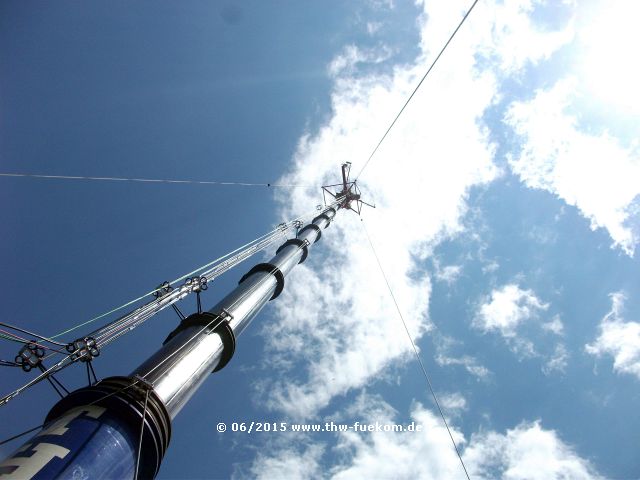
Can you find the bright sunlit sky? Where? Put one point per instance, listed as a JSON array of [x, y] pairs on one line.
[[507, 222]]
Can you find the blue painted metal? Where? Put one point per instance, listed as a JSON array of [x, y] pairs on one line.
[[86, 443]]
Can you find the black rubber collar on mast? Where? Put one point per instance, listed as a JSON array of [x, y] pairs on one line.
[[218, 324], [321, 216], [268, 268], [302, 245], [314, 227]]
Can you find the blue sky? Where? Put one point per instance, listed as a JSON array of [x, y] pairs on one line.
[[508, 222]]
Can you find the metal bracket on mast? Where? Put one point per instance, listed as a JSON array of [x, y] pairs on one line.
[[197, 285], [29, 356], [162, 290], [83, 349], [349, 194]]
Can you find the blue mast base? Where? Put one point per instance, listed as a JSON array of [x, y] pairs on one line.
[[95, 432]]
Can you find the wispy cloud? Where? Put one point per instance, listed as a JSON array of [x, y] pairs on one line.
[[353, 57], [470, 364], [447, 354], [373, 27], [619, 339]]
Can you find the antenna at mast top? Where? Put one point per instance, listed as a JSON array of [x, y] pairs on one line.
[[349, 193]]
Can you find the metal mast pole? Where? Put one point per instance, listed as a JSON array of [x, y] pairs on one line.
[[121, 426]]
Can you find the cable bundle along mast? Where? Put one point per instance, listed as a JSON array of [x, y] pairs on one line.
[[120, 427]]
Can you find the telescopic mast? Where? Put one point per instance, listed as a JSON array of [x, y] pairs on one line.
[[120, 427]]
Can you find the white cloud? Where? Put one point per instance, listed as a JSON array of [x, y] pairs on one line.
[[452, 403], [447, 274], [383, 4], [555, 325], [527, 451], [445, 357], [425, 454], [336, 321], [619, 339], [373, 27], [593, 172], [516, 41], [506, 308], [349, 333], [610, 26], [490, 267], [468, 362], [352, 57], [557, 362], [299, 463]]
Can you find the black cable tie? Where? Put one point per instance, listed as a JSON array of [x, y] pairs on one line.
[[178, 312], [93, 372]]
